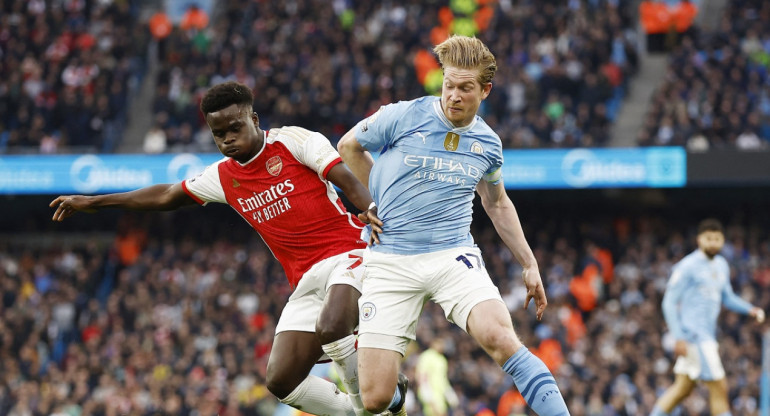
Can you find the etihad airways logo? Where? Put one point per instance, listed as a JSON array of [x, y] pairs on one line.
[[443, 170], [269, 203]]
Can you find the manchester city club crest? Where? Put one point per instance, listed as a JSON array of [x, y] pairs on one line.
[[451, 141], [274, 165], [477, 148], [368, 310]]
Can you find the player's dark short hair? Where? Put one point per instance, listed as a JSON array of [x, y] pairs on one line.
[[710, 224], [224, 95]]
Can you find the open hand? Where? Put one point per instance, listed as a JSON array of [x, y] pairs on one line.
[[68, 205]]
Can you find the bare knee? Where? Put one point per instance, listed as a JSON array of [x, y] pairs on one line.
[[683, 388], [332, 330], [377, 377], [377, 393], [718, 390], [279, 384], [376, 404], [489, 323], [718, 386]]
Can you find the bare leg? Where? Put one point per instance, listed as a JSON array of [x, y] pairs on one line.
[[674, 395], [490, 324], [294, 353], [718, 396], [378, 376]]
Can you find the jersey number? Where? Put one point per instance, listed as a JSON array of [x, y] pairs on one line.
[[467, 262], [356, 263]]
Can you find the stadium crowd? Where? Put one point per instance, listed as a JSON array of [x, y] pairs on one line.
[[156, 319], [66, 72], [716, 92], [562, 70]]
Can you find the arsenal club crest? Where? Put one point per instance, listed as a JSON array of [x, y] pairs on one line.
[[274, 165]]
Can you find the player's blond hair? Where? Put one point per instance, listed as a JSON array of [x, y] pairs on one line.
[[467, 53]]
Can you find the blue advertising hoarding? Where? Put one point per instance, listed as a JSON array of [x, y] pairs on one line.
[[92, 174], [652, 167], [523, 169]]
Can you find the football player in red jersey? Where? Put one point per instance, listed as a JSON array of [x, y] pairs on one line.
[[280, 182]]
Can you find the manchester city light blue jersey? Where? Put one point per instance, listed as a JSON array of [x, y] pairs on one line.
[[694, 296], [426, 174]]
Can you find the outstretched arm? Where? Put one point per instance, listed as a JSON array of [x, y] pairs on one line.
[[506, 221], [163, 197]]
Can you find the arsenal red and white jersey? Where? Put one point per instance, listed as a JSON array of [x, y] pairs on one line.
[[283, 193]]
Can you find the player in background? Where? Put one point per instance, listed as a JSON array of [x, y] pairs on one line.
[[280, 182], [432, 374], [699, 285], [434, 152]]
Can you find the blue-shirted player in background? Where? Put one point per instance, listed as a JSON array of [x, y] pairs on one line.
[[434, 153], [699, 285]]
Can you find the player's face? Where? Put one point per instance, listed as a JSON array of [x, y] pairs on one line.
[[711, 242], [235, 132], [461, 94]]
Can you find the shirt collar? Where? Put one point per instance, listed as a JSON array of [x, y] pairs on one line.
[[440, 113]]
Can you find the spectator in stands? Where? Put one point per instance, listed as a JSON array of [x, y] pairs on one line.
[[333, 76], [715, 93], [350, 78], [66, 71]]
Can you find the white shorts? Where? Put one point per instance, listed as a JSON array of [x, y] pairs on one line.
[[302, 310], [396, 287], [702, 362]]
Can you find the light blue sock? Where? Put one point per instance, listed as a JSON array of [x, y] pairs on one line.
[[657, 411], [396, 398], [536, 383], [725, 414]]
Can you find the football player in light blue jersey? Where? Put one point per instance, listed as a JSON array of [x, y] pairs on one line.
[[699, 285], [434, 152]]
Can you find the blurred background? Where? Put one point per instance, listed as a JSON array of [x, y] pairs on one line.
[[625, 123]]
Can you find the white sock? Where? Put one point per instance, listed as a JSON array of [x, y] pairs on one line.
[[343, 354], [319, 397]]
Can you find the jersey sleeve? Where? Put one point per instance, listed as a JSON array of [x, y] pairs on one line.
[[312, 149], [494, 174], [675, 289], [206, 187], [379, 129], [730, 299]]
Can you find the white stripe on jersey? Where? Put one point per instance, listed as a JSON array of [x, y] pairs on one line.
[[332, 195], [312, 149]]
